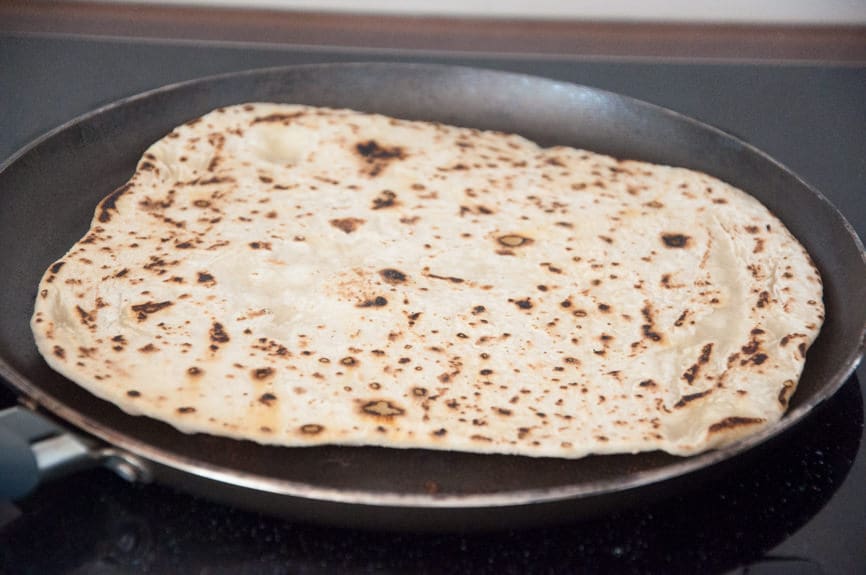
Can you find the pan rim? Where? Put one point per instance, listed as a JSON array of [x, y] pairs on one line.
[[595, 488]]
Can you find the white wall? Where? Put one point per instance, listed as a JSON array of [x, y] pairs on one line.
[[759, 11]]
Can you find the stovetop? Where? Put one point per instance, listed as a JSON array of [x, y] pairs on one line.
[[800, 508]]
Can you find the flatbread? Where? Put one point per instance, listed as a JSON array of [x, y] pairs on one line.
[[297, 276]]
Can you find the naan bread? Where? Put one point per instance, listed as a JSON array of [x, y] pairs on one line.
[[297, 276]]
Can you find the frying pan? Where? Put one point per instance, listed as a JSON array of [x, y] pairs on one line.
[[48, 192]]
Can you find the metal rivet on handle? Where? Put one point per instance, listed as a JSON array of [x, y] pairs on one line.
[[126, 465]]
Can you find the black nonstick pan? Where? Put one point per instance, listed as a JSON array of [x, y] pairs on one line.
[[47, 195]]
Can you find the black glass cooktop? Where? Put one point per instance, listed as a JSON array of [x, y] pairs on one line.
[[799, 508]]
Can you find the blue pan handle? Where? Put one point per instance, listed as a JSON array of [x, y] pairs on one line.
[[34, 449]]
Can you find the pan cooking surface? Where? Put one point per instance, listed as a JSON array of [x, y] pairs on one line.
[[50, 189]]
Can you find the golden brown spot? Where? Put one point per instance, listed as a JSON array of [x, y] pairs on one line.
[[267, 398], [194, 371], [206, 278], [85, 317], [675, 240], [262, 373], [385, 199], [734, 421], [145, 309], [751, 347], [525, 303], [706, 352], [382, 408], [133, 393], [691, 373], [378, 301], [691, 397], [109, 204], [513, 240], [186, 409], [392, 276], [347, 225], [372, 150], [276, 117], [758, 358], [682, 319], [217, 333], [785, 392], [349, 361], [647, 328], [452, 279], [311, 429]]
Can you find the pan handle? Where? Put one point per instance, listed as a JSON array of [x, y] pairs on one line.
[[34, 449]]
